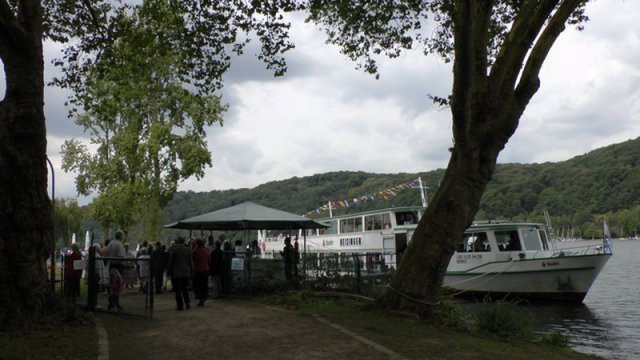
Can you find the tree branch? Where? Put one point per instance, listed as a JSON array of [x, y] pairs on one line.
[[462, 66], [94, 16], [527, 25], [529, 81], [471, 24], [11, 33]]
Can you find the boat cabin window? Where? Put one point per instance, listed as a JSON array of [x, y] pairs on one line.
[[474, 242], [543, 238], [530, 239], [332, 229], [407, 217], [508, 240], [377, 222], [350, 225]]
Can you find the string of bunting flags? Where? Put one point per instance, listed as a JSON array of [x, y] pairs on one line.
[[357, 201]]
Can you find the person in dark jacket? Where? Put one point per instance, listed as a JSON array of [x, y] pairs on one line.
[[201, 267], [159, 265], [216, 269], [287, 257], [181, 270]]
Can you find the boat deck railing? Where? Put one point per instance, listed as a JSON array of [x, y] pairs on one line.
[[584, 250]]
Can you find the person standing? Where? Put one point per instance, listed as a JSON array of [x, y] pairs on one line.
[[181, 270], [144, 264], [201, 267], [116, 284], [129, 273], [159, 265], [227, 255], [287, 257], [216, 269], [73, 272], [114, 249]]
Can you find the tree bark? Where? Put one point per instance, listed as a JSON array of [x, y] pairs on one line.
[[25, 213]]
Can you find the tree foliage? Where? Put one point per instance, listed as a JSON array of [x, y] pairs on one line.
[[204, 33], [149, 128], [68, 218]]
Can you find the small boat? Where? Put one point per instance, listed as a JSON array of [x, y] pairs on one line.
[[493, 257], [519, 259]]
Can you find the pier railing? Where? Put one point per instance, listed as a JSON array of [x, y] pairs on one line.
[[365, 274]]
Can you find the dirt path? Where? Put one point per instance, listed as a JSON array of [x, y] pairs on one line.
[[229, 329]]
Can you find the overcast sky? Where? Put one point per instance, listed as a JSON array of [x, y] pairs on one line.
[[325, 116]]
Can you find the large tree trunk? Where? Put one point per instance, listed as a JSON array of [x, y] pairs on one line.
[[417, 284], [25, 210], [487, 102]]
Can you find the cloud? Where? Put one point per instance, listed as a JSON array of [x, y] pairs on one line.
[[590, 90]]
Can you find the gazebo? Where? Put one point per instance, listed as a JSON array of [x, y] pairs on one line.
[[249, 216], [246, 216]]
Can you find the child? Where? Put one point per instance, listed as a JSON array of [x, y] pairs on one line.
[[116, 284]]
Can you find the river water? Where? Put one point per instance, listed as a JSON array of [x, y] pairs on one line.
[[608, 323]]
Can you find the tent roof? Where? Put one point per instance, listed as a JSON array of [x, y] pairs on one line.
[[246, 216]]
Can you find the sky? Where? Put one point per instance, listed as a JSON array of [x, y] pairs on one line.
[[324, 115]]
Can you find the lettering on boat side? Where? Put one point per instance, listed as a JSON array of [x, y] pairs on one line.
[[327, 242], [462, 258], [350, 241], [550, 263]]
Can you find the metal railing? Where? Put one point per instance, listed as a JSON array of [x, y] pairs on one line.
[[365, 274]]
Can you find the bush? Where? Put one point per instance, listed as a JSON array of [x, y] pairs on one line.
[[449, 314], [504, 320], [555, 338]]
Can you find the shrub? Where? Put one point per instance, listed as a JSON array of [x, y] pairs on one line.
[[555, 338], [449, 314], [504, 320]]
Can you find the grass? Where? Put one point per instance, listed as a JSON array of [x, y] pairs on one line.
[[65, 333], [418, 339]]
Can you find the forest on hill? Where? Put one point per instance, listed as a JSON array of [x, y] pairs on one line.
[[577, 192]]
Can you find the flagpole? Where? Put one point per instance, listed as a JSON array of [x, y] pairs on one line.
[[424, 199]]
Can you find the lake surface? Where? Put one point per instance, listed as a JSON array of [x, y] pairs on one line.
[[608, 323]]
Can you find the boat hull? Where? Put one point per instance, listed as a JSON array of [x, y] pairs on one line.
[[557, 278]]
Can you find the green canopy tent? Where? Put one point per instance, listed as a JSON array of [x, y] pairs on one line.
[[250, 216], [246, 216]]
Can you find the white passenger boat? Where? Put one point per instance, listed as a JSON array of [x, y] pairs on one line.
[[497, 258]]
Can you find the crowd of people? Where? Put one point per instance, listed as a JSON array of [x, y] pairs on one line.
[[186, 265]]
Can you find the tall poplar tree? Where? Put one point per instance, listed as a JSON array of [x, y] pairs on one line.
[[148, 125]]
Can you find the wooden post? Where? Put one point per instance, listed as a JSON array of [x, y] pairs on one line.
[[92, 285]]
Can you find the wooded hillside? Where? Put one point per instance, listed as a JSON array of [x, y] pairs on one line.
[[575, 192]]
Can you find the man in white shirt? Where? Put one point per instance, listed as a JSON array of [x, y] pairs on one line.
[[116, 249]]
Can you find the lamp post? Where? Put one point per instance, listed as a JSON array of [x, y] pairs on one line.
[[53, 232]]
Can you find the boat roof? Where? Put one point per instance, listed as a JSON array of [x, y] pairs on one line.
[[378, 211], [502, 224]]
